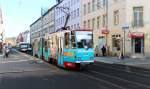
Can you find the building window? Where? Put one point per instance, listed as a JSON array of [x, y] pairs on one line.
[[93, 5], [98, 22], [89, 23], [75, 14], [138, 17], [98, 4], [89, 7], [104, 20], [69, 4], [71, 26], [116, 42], [71, 15], [74, 2], [84, 24], [104, 3], [78, 26], [78, 12], [74, 26], [67, 41], [93, 23], [116, 17], [85, 9]]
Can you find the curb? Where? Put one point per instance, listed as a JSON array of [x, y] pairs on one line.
[[126, 65]]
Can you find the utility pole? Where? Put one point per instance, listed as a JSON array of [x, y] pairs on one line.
[[42, 32], [107, 26]]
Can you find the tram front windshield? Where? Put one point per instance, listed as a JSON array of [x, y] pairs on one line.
[[84, 39]]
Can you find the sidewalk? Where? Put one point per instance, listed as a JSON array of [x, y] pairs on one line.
[[141, 63]]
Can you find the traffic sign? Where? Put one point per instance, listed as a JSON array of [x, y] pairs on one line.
[[124, 27]]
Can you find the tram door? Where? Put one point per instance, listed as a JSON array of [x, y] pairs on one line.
[[60, 51]]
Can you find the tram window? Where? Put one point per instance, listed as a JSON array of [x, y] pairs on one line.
[[67, 40], [52, 42], [73, 43], [49, 42]]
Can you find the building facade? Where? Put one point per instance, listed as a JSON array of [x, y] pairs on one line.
[[129, 26], [94, 17], [2, 32], [43, 26], [121, 25], [74, 11], [11, 41]]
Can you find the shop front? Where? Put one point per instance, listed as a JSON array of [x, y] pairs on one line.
[[137, 39]]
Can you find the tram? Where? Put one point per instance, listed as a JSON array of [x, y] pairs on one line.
[[67, 49]]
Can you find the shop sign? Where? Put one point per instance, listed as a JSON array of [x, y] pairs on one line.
[[105, 31], [137, 35]]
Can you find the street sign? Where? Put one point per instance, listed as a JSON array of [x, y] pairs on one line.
[[125, 27]]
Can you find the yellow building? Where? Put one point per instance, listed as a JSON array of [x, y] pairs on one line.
[[133, 41], [94, 17], [128, 24], [11, 41]]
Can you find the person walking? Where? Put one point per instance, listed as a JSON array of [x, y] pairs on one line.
[[104, 50]]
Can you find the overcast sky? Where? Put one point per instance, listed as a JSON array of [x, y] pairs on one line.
[[19, 14]]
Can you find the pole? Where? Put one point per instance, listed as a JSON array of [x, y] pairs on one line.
[[124, 41], [41, 30], [106, 24]]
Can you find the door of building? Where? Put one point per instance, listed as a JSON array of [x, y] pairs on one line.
[[138, 43]]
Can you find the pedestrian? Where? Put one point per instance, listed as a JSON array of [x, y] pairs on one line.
[[103, 50], [4, 50]]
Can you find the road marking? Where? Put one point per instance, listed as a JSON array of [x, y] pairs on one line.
[[3, 62]]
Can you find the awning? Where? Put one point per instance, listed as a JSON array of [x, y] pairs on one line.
[[137, 35], [105, 31]]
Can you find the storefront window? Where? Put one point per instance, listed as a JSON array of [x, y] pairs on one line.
[[116, 42]]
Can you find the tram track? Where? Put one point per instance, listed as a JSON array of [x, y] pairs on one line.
[[123, 67], [103, 82], [124, 79], [128, 70], [124, 75]]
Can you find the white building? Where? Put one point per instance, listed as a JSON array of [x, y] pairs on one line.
[[42, 26], [26, 36], [1, 26], [75, 14]]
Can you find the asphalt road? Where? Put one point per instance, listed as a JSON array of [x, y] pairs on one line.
[[20, 71]]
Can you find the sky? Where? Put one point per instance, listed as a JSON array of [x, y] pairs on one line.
[[18, 15]]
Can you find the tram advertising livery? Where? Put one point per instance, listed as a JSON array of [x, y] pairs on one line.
[[68, 49]]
